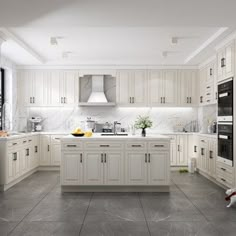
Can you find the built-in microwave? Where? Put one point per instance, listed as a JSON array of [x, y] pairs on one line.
[[225, 101]]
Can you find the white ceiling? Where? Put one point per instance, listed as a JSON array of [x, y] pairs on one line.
[[112, 32]]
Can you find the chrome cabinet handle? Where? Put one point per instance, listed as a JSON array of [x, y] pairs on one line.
[[101, 157], [149, 157], [178, 148], [161, 99], [223, 169], [48, 148], [195, 148], [187, 99], [223, 180], [104, 145], [30, 99], [136, 145], [81, 157], [211, 70], [145, 157], [190, 98], [130, 101], [33, 99], [36, 149], [65, 100], [61, 99], [222, 62], [105, 158], [164, 99], [211, 156]]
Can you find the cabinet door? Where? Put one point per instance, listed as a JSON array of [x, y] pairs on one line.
[[204, 159], [202, 85], [155, 85], [212, 158], [93, 168], [170, 84], [188, 87], [123, 87], [26, 87], [173, 151], [55, 81], [10, 168], [24, 163], [39, 84], [158, 168], [56, 154], [138, 88], [71, 169], [71, 88], [45, 146], [220, 68], [229, 59], [182, 157], [16, 167], [35, 151], [114, 168], [136, 172]]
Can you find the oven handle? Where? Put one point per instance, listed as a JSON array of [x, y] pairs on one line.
[[223, 136], [221, 95]]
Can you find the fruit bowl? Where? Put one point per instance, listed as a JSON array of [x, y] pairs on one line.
[[78, 135]]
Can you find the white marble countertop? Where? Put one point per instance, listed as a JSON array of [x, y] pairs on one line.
[[16, 135], [98, 136]]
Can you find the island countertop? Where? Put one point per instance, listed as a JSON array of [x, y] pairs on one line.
[[98, 136]]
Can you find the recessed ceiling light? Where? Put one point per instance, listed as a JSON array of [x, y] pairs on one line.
[[164, 53], [174, 40], [53, 41]]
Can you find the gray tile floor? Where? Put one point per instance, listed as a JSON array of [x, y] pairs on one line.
[[194, 206]]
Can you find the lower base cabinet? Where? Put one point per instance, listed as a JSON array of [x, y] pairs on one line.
[[115, 167]]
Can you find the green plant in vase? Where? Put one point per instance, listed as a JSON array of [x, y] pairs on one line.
[[143, 122]]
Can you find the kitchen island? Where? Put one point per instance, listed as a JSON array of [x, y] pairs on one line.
[[115, 163]]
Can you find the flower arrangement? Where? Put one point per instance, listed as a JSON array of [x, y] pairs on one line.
[[143, 122]]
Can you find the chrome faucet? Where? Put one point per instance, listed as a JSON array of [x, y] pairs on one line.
[[114, 127]]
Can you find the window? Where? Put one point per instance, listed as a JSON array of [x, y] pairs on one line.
[[1, 96]]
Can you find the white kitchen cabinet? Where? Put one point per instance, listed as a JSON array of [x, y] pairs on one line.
[[188, 87], [24, 159], [157, 175], [13, 165], [131, 88], [72, 168], [114, 168], [182, 150], [55, 150], [136, 163], [212, 152], [203, 155], [225, 61], [93, 168], [45, 151], [33, 87], [173, 150], [162, 87]]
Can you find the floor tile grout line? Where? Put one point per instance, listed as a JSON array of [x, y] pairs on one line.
[[190, 201], [11, 231], [85, 214], [144, 214]]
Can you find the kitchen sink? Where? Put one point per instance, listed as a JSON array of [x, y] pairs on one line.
[[111, 134]]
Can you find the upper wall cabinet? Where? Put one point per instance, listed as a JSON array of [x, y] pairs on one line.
[[131, 88], [33, 87], [208, 84], [225, 62], [162, 87], [48, 88], [188, 87]]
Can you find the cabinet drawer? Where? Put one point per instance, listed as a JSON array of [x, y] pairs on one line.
[[103, 145], [72, 146], [158, 145], [56, 138], [225, 168], [14, 143], [136, 145], [224, 181]]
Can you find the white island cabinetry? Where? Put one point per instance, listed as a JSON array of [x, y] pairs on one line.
[[115, 163]]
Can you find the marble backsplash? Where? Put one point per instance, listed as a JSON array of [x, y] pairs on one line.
[[206, 115], [66, 119]]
